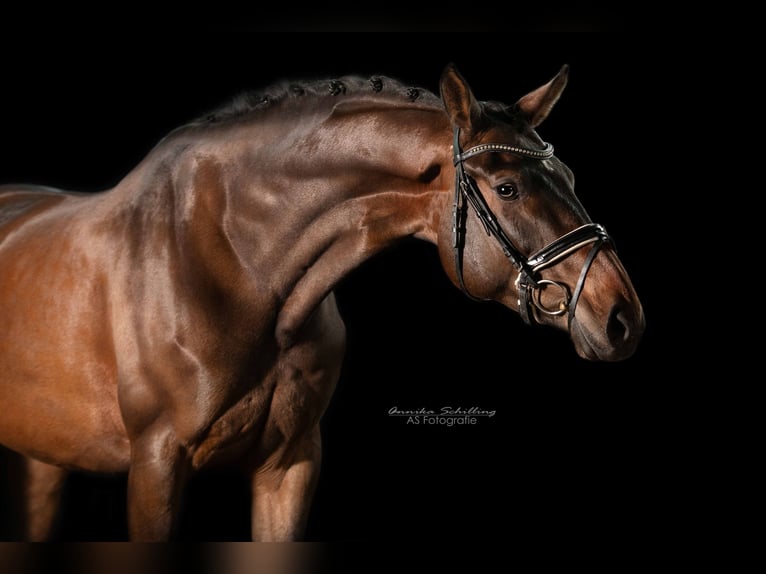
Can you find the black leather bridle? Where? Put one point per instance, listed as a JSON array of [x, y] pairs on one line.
[[528, 282]]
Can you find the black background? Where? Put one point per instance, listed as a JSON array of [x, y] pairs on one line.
[[576, 448]]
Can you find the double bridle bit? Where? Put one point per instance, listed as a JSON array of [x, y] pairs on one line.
[[528, 282]]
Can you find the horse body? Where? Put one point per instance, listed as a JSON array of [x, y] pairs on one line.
[[48, 340], [187, 316]]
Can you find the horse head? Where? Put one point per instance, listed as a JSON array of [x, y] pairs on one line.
[[518, 234]]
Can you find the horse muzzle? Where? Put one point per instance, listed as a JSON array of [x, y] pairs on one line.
[[611, 335]]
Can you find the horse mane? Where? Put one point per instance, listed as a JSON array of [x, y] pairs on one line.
[[383, 87]]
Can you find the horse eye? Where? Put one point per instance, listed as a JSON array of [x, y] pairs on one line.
[[506, 191]]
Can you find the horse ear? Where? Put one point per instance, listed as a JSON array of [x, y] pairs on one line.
[[536, 105], [462, 107]]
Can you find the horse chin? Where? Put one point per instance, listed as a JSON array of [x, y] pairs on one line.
[[586, 349]]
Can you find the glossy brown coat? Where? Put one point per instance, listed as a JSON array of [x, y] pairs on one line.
[[186, 317]]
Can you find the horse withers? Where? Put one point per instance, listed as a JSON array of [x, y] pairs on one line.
[[186, 317]]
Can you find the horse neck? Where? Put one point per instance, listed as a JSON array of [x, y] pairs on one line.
[[280, 214]]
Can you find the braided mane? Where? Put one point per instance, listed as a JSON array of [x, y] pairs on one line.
[[384, 87]]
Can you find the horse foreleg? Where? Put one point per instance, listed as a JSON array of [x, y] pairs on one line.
[[42, 496], [155, 482], [282, 493]]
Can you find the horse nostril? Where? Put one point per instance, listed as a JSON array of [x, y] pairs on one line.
[[618, 325]]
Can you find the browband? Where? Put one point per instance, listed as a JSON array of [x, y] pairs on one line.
[[545, 153]]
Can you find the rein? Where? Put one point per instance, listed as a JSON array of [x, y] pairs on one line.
[[528, 281]]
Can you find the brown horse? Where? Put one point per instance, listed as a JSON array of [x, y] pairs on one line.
[[186, 317]]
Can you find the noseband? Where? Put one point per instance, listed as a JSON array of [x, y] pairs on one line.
[[528, 282]]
